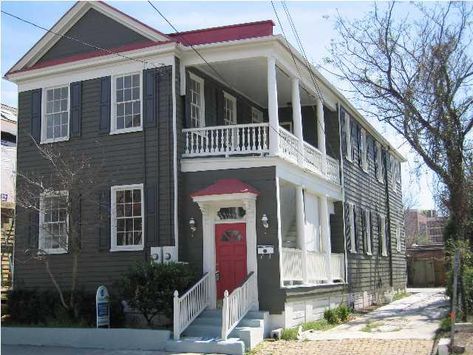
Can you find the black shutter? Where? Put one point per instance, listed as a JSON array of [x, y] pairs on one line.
[[375, 158], [187, 103], [363, 229], [371, 231], [342, 125], [358, 143], [149, 97], [76, 207], [104, 220], [347, 226], [355, 224], [105, 103], [33, 234], [36, 115], [380, 239], [150, 213], [76, 108], [353, 138]]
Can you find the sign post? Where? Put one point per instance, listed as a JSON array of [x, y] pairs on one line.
[[102, 307]]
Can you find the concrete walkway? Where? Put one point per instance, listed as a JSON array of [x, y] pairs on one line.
[[413, 317]]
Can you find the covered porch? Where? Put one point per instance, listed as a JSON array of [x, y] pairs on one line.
[[254, 107]]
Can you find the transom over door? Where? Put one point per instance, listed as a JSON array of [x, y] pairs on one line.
[[230, 246]]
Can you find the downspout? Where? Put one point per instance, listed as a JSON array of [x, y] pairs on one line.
[[388, 215]]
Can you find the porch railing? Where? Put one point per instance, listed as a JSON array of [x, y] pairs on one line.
[[337, 266], [316, 267], [292, 265], [333, 170], [313, 158], [226, 140], [288, 145], [190, 304], [237, 304]]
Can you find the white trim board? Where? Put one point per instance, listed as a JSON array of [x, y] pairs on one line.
[[71, 17]]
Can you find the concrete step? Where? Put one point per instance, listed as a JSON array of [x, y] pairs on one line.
[[251, 336], [203, 330], [208, 321], [248, 322], [255, 315], [211, 313], [203, 345]]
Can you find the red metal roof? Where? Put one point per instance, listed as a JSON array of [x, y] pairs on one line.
[[226, 186], [225, 33]]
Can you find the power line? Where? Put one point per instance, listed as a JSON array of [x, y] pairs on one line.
[[108, 51], [213, 69]]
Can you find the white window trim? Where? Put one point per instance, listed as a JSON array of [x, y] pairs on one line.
[[351, 211], [45, 140], [113, 121], [258, 113], [368, 232], [41, 233], [233, 100], [364, 156], [383, 237], [394, 173], [347, 129], [201, 81], [379, 161], [113, 218]]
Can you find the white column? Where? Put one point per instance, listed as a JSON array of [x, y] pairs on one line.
[[321, 133], [273, 107], [325, 229], [209, 258], [297, 118], [301, 243]]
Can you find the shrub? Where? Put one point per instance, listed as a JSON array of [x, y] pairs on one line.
[[43, 307], [289, 333], [331, 316], [445, 324], [321, 324], [149, 287], [342, 312]]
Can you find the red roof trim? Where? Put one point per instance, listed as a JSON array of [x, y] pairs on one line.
[[266, 22], [94, 54], [225, 187]]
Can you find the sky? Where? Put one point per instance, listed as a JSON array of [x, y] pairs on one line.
[[314, 22]]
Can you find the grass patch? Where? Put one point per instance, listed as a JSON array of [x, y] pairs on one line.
[[317, 325], [289, 334], [400, 295], [370, 326]]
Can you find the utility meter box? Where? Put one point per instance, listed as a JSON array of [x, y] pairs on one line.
[[156, 254], [169, 254], [265, 249]]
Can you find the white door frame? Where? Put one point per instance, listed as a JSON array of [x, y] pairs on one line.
[[209, 206]]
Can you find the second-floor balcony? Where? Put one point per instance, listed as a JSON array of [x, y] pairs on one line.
[[254, 139], [255, 108]]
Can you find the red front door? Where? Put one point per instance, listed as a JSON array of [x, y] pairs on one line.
[[230, 246]]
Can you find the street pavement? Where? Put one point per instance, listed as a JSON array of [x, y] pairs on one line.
[[56, 350]]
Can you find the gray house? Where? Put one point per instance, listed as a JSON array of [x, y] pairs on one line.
[[219, 147]]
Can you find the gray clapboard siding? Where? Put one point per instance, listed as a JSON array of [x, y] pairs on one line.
[[139, 157]]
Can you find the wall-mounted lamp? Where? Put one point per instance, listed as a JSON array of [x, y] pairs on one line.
[[264, 220], [192, 226]]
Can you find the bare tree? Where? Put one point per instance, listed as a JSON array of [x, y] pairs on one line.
[[416, 74], [71, 178]]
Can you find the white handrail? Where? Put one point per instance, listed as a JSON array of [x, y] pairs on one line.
[[292, 265], [227, 140], [288, 145], [190, 305], [237, 304]]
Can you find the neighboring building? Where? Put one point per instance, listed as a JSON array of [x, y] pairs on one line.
[[8, 155], [236, 164], [426, 265], [424, 226]]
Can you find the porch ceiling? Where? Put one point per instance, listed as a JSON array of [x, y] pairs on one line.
[[249, 78]]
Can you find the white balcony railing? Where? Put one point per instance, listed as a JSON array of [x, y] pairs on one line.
[[315, 267], [253, 139], [337, 266], [190, 305], [292, 265], [237, 304], [227, 140]]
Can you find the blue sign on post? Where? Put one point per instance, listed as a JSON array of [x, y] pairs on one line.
[[102, 305]]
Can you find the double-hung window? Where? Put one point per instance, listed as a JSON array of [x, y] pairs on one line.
[[347, 129], [351, 211], [256, 115], [127, 217], [126, 106], [197, 101], [395, 172], [53, 222], [55, 125], [229, 109], [364, 151], [382, 235]]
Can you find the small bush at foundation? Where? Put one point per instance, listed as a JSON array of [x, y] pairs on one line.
[[289, 334], [321, 324], [331, 316], [343, 312]]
